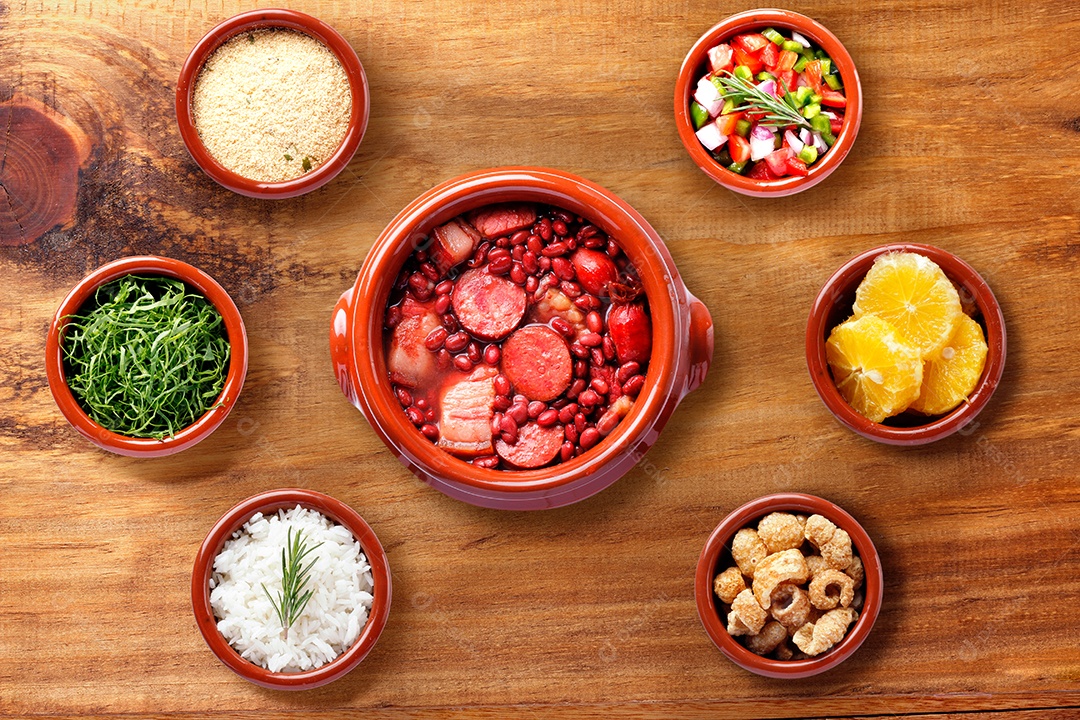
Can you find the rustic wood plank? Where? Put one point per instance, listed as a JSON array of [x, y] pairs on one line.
[[968, 142]]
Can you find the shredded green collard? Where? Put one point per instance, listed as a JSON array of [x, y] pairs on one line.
[[146, 357]]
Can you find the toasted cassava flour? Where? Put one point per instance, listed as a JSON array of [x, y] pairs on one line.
[[272, 104]]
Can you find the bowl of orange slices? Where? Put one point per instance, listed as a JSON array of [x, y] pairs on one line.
[[906, 344]]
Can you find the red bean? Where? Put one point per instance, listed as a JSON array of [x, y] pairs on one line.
[[570, 289], [520, 413], [473, 351], [500, 266], [594, 322], [571, 243], [415, 416], [450, 322], [589, 438], [535, 244], [595, 243], [544, 264], [609, 348], [521, 400], [559, 227], [509, 426], [444, 358], [435, 339], [421, 403], [579, 350], [626, 371], [599, 386], [442, 304], [430, 415], [566, 451], [418, 282], [587, 302], [633, 386], [581, 368], [590, 339], [560, 403], [563, 268], [463, 363], [531, 284], [554, 250], [597, 357], [579, 421], [404, 396], [393, 317], [480, 256], [518, 252], [502, 385], [488, 461], [562, 327], [520, 237], [535, 408], [496, 423], [431, 432], [498, 253], [422, 295], [613, 249], [457, 342], [566, 415], [589, 398], [421, 255], [587, 231], [563, 215], [528, 261], [429, 270], [503, 242], [518, 274], [547, 418], [445, 287], [492, 353], [571, 433], [502, 403], [575, 388], [544, 230]]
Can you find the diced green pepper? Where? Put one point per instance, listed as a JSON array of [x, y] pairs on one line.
[[820, 54], [729, 106], [790, 99], [792, 46], [737, 167], [802, 96], [775, 37], [742, 128], [815, 98], [811, 111], [833, 81], [826, 66], [763, 76], [800, 64], [820, 124], [829, 138], [743, 72], [698, 115], [808, 54], [808, 154], [722, 156]]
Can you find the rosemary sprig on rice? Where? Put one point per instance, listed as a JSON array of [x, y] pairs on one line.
[[292, 598]]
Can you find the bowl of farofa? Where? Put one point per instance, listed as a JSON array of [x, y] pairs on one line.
[[272, 103], [819, 610]]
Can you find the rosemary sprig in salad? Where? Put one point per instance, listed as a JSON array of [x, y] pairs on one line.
[[747, 96], [292, 598]]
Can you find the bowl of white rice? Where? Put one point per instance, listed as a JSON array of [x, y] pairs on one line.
[[291, 589]]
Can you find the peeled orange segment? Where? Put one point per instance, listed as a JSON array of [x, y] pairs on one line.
[[874, 369], [912, 293], [949, 378]]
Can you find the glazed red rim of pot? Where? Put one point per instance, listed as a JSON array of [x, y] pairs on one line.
[[833, 306], [540, 185], [695, 65], [234, 378], [268, 503], [717, 551], [273, 18]]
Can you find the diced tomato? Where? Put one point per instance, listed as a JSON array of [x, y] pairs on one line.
[[739, 147], [777, 160], [761, 171], [751, 61], [726, 123], [752, 42], [787, 81], [769, 56], [836, 125], [753, 117], [795, 166], [786, 61], [813, 75], [833, 98], [721, 58]]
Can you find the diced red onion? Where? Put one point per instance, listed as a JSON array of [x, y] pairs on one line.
[[830, 115], [708, 96], [800, 39], [793, 142], [709, 136], [801, 82], [819, 143], [804, 135], [762, 142], [767, 86]]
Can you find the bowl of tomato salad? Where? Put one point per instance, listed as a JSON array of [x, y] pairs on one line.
[[768, 103], [518, 337]]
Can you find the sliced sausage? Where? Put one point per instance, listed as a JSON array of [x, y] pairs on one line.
[[535, 447], [537, 362], [488, 306], [466, 407], [495, 221], [409, 361], [452, 244]]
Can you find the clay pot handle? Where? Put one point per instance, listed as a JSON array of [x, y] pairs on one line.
[[340, 350], [701, 343]]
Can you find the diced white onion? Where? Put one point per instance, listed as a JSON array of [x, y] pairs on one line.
[[709, 136], [762, 142], [793, 142], [830, 115], [709, 97], [800, 39], [819, 143]]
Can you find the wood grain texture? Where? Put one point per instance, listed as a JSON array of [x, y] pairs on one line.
[[969, 141]]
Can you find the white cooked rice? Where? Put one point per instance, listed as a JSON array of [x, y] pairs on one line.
[[333, 618]]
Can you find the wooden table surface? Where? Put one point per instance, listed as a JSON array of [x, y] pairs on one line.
[[969, 141]]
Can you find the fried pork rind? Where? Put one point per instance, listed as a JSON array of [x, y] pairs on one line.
[[790, 606], [780, 531], [729, 584], [784, 566], [833, 543], [816, 564], [783, 652], [747, 550], [749, 612], [735, 626], [768, 639], [856, 571], [829, 587], [815, 638]]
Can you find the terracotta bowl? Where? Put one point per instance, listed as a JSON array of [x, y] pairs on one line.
[[682, 344], [833, 306], [716, 557], [271, 502], [696, 65], [201, 428], [254, 20]]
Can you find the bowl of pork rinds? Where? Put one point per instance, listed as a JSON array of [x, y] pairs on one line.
[[788, 585]]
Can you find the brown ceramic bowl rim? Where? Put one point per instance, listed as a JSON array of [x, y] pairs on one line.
[[717, 545], [234, 378], [269, 18], [692, 70], [270, 502], [664, 290], [936, 428]]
